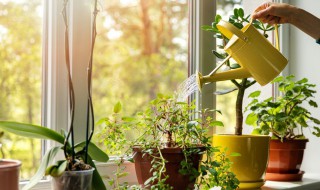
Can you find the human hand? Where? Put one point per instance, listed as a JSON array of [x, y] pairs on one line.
[[274, 13]]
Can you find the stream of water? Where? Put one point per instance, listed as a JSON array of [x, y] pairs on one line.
[[186, 88]]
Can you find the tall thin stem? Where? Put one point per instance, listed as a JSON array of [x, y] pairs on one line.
[[70, 85], [90, 111]]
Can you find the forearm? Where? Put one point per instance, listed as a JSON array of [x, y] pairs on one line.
[[306, 22]]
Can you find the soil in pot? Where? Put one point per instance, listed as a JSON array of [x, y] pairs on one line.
[[174, 156], [285, 159], [9, 174], [73, 180]]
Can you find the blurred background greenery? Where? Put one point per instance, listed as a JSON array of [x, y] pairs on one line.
[[141, 50]]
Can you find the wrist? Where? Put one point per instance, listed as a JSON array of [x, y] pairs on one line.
[[296, 15]]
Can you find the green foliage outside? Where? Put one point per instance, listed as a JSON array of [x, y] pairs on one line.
[[149, 56], [20, 78], [141, 50]]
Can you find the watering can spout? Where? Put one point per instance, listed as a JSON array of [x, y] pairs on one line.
[[222, 76]]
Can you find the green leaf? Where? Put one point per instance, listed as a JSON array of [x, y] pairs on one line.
[[313, 103], [235, 12], [251, 119], [218, 55], [117, 108], [238, 25], [304, 80], [95, 152], [255, 94], [57, 169], [207, 28], [235, 66], [97, 182], [221, 92], [216, 123], [46, 160], [217, 18], [235, 154], [240, 12], [31, 131], [256, 131]]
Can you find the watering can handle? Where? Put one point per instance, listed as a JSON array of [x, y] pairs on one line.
[[229, 30]]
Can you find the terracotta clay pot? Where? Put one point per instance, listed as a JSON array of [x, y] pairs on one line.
[[174, 156], [9, 174], [285, 159]]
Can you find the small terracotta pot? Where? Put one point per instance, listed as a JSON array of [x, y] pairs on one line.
[[174, 156], [285, 159], [9, 174]]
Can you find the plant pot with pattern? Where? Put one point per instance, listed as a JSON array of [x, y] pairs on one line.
[[285, 118]]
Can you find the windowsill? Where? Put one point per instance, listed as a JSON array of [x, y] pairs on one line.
[[309, 181]]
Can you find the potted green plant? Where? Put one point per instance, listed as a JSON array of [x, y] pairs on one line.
[[168, 153], [285, 118], [77, 170], [250, 159]]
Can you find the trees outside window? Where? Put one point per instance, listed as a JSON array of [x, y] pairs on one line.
[[20, 77]]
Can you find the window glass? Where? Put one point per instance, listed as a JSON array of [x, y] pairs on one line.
[[227, 102], [141, 50], [20, 78]]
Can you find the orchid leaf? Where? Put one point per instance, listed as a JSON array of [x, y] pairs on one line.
[[97, 182], [46, 160], [31, 131], [57, 169], [95, 152]]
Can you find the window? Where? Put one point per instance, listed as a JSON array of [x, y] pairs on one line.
[[143, 47], [20, 78], [141, 50]]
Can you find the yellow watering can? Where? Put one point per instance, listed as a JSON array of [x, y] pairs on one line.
[[252, 51]]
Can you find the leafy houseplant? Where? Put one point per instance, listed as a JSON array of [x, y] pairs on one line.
[[167, 131], [78, 157], [238, 142], [285, 118]]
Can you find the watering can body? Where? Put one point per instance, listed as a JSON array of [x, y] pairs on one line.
[[257, 57]]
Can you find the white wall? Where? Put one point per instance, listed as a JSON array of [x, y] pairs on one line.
[[304, 61]]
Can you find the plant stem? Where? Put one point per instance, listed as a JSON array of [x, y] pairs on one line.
[[70, 87], [90, 112], [239, 115]]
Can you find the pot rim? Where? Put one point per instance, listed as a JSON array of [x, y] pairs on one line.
[[290, 140], [137, 148], [9, 163], [242, 136]]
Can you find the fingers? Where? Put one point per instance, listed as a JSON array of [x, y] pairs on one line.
[[258, 12]]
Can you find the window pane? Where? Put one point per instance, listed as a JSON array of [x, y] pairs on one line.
[[227, 102], [141, 50], [20, 77]]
